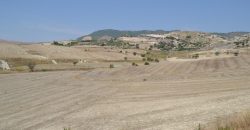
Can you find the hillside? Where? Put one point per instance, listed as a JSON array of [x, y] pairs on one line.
[[231, 34], [166, 40], [122, 33], [117, 33], [9, 50]]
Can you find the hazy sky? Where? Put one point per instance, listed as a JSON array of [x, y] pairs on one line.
[[45, 20]]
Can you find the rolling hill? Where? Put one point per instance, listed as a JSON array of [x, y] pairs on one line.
[[117, 33]]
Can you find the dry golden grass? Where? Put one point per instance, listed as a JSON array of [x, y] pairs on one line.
[[240, 121], [16, 62]]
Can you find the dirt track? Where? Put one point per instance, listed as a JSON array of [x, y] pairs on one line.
[[175, 96]]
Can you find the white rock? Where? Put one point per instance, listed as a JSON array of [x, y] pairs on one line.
[[4, 65], [54, 62]]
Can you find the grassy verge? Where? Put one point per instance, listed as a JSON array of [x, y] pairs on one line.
[[235, 122], [16, 62], [18, 65]]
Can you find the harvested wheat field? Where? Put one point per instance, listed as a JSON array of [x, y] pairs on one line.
[[170, 95]]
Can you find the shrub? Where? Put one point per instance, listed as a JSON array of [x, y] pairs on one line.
[[134, 64], [196, 56], [236, 53], [125, 58], [31, 66], [111, 66], [74, 63], [57, 43], [144, 59], [137, 46], [157, 60], [134, 53], [149, 59], [217, 53], [188, 37], [66, 129], [143, 55], [146, 63]]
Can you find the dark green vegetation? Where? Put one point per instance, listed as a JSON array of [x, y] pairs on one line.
[[179, 45], [146, 63], [117, 33], [70, 43], [111, 66], [183, 41]]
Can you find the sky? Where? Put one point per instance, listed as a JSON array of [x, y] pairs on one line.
[[48, 20]]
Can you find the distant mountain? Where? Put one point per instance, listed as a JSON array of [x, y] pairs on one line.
[[117, 33], [231, 34]]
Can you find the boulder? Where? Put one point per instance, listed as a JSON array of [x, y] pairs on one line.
[[4, 65], [54, 62]]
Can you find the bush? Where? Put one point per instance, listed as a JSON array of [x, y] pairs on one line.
[[134, 53], [149, 59], [111, 66], [143, 55], [57, 43], [134, 64], [31, 66], [66, 129], [144, 59], [137, 46], [236, 53], [74, 63], [125, 58], [217, 53], [157, 60], [146, 63], [196, 56]]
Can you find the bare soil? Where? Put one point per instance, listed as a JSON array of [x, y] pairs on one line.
[[176, 95]]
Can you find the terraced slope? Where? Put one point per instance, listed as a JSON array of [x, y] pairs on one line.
[[174, 96]]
